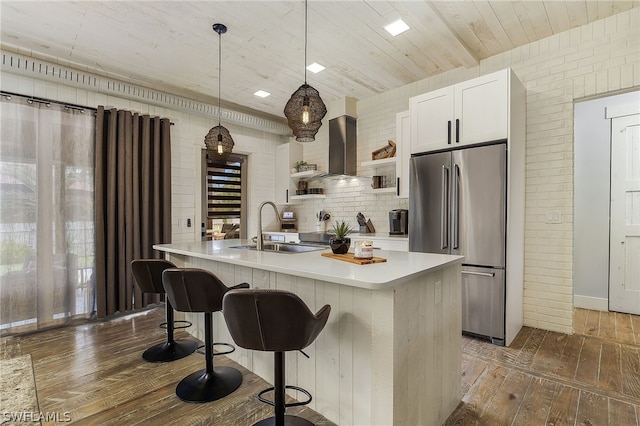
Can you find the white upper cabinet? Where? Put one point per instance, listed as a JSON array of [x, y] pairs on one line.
[[470, 112], [287, 155], [431, 120], [481, 109]]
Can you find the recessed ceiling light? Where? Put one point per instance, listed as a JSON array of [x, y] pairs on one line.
[[397, 27], [262, 93], [315, 67]]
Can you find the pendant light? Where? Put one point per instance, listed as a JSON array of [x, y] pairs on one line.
[[305, 109], [218, 141]]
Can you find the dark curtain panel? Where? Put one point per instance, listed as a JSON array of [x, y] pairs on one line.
[[133, 203]]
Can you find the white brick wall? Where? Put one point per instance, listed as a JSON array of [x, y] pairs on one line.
[[592, 60]]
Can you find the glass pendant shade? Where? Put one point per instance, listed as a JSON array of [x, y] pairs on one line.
[[219, 142], [305, 111]]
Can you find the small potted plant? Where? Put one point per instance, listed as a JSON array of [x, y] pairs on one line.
[[340, 243]]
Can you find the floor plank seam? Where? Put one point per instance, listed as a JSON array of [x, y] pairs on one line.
[[564, 381]]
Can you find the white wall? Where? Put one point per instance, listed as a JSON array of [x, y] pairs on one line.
[[591, 200]]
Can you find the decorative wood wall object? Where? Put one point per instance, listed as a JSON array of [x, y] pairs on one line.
[[387, 151]]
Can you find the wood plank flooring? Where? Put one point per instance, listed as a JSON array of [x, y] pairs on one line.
[[612, 326], [544, 378], [94, 373]]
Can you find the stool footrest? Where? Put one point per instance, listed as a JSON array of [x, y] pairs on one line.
[[229, 345], [289, 404], [185, 324]]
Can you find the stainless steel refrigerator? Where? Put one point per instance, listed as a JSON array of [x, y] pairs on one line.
[[457, 205]]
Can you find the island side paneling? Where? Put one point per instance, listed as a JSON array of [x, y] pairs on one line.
[[427, 343], [386, 357]]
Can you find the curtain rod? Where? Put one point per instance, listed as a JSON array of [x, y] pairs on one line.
[[47, 102]]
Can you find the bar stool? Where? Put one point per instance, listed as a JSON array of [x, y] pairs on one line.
[[148, 275], [198, 290], [275, 321]]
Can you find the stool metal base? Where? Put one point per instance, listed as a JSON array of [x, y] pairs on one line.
[[165, 352], [288, 421], [204, 387]]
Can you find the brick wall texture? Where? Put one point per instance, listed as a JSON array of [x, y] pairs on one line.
[[589, 61]]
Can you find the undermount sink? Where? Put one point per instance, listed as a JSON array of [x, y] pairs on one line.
[[283, 247]]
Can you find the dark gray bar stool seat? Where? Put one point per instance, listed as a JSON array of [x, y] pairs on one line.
[[275, 321], [148, 275], [198, 290]]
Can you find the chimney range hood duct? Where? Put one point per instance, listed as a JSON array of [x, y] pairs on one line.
[[342, 146]]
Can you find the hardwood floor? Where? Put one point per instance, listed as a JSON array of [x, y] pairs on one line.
[[610, 326], [544, 378], [95, 373]]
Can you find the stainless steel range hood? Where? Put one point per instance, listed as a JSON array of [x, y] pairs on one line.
[[342, 146]]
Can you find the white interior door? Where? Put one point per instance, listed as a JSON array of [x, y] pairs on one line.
[[624, 270]]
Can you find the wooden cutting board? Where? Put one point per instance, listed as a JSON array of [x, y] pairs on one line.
[[349, 257]]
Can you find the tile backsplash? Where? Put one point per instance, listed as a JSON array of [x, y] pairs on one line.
[[345, 198]]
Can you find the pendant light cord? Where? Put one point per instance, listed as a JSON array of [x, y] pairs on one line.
[[305, 42], [219, 72]]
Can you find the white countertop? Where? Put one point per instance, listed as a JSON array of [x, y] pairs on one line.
[[399, 267], [379, 236], [376, 235]]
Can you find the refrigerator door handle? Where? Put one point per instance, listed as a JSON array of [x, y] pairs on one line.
[[481, 274], [444, 213], [455, 206]]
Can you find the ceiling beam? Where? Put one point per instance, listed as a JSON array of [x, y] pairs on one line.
[[459, 49]]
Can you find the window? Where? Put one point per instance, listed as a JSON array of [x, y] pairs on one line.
[[224, 197]]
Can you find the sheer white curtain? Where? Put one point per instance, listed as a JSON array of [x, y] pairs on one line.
[[46, 214]]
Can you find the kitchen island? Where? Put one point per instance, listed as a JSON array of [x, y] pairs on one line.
[[390, 352]]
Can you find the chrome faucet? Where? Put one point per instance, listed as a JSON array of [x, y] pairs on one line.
[[259, 241]]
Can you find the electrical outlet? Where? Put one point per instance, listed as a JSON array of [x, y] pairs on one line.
[[553, 216]]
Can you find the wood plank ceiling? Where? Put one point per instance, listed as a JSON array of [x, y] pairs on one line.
[[169, 45]]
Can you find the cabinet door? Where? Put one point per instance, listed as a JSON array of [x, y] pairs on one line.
[[431, 120], [286, 157], [403, 138], [481, 109]]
